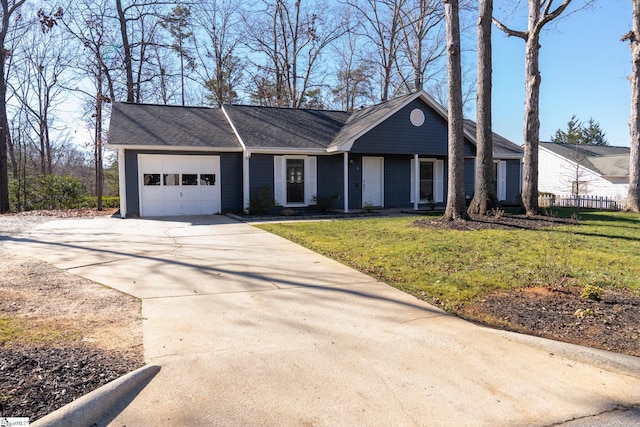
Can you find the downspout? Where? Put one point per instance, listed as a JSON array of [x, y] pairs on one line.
[[416, 182], [346, 181], [246, 193], [122, 183]]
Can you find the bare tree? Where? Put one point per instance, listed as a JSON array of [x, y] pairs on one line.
[[90, 26], [540, 14], [222, 68], [423, 42], [294, 38], [633, 195], [177, 23], [354, 75], [382, 24], [456, 209], [9, 9], [39, 82], [484, 197]]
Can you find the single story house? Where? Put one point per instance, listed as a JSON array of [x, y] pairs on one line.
[[194, 160], [591, 170]]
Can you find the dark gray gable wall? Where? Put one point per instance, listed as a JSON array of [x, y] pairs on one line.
[[397, 135], [230, 178]]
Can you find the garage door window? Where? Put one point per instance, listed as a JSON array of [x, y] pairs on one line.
[[207, 179], [151, 179], [171, 179], [189, 179]]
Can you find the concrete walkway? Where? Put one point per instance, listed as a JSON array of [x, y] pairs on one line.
[[250, 329]]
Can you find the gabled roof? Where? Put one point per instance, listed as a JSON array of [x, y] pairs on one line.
[[285, 128], [604, 160], [170, 127], [362, 121], [502, 147], [263, 129]]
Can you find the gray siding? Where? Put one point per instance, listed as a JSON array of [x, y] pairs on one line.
[[331, 178], [133, 191], [397, 181], [230, 178], [355, 181], [513, 182], [260, 173], [469, 179], [396, 135], [231, 181]]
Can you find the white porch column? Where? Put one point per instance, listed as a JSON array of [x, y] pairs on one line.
[[346, 181], [246, 192], [416, 181], [122, 184]]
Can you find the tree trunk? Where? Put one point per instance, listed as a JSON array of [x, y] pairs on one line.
[[484, 198], [126, 48], [531, 124], [455, 194], [4, 136], [633, 196]]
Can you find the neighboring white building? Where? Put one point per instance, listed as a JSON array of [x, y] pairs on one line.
[[583, 169]]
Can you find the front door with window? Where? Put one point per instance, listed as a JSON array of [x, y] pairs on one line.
[[295, 181], [372, 181]]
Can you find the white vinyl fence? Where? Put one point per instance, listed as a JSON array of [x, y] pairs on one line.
[[573, 201]]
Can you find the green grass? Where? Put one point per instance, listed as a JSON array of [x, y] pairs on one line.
[[15, 329], [454, 267]]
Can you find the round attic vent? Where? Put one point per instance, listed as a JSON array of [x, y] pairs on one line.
[[417, 117]]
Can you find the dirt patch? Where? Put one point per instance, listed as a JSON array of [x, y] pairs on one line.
[[61, 336]]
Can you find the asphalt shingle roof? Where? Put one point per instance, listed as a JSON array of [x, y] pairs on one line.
[[271, 127], [502, 147], [605, 160], [258, 127], [365, 118], [170, 126]]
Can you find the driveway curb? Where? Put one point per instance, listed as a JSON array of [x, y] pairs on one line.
[[92, 407]]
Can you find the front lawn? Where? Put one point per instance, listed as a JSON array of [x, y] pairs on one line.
[[452, 267]]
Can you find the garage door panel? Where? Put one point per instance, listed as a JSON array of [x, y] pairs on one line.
[[179, 185]]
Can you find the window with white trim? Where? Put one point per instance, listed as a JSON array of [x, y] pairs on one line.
[[430, 180]]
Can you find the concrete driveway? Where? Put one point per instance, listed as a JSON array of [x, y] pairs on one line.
[[251, 329]]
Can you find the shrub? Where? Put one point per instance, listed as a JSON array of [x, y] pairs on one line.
[[263, 202], [591, 292], [47, 192], [107, 202], [325, 203]]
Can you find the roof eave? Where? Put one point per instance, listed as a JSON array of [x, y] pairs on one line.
[[173, 148]]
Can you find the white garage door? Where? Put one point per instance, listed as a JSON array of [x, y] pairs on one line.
[[179, 185]]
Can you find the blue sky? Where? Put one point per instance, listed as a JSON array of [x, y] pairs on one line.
[[584, 68]]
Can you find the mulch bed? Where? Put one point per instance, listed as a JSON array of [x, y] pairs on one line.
[[499, 222], [561, 313], [38, 379]]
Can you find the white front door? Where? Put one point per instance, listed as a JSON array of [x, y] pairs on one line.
[[373, 181], [179, 185]]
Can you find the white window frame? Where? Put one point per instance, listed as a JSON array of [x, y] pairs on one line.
[[310, 180], [438, 179]]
